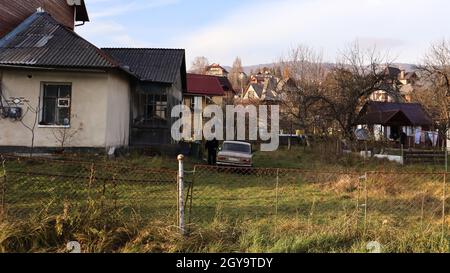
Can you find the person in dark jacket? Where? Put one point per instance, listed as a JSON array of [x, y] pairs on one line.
[[212, 146], [403, 139]]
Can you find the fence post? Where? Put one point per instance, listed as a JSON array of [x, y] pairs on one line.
[[444, 199], [181, 194], [3, 190], [276, 192], [446, 160], [91, 180], [365, 202]]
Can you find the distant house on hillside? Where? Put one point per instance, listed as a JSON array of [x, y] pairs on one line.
[[265, 92], [216, 70], [261, 77], [397, 78], [203, 90]]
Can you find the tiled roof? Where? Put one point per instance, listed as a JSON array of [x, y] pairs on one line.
[[40, 41], [204, 85], [153, 65], [258, 88]]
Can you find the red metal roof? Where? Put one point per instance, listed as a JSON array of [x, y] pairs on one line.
[[204, 85]]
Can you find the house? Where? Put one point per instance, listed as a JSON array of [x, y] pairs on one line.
[[53, 80], [265, 92], [216, 70], [203, 90], [254, 92], [160, 84], [261, 76], [67, 12], [397, 78], [387, 120]]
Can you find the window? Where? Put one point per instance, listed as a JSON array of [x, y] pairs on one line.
[[156, 107], [56, 102], [236, 147]]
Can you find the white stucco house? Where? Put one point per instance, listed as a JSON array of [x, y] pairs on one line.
[[54, 82]]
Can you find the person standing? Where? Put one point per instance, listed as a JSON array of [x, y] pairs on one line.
[[212, 146], [403, 139]]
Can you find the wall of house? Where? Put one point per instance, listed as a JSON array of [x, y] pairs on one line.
[[12, 13], [90, 108], [155, 134], [175, 97], [118, 111]]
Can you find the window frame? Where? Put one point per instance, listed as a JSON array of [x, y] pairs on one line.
[[157, 104], [42, 107]]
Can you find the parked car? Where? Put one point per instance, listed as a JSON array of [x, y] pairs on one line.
[[235, 154]]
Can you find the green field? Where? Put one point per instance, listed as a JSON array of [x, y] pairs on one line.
[[130, 205]]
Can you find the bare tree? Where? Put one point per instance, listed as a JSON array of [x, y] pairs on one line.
[[235, 73], [302, 83], [199, 65], [64, 135], [31, 126], [356, 76], [433, 89]]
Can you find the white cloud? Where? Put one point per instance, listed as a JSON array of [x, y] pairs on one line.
[[261, 32], [115, 7], [113, 34]]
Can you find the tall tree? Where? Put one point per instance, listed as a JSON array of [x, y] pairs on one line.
[[302, 78], [351, 82], [235, 74], [433, 89], [325, 95], [199, 65]]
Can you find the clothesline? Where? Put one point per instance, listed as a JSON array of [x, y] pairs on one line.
[[425, 136]]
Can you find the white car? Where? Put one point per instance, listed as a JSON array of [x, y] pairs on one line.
[[235, 154]]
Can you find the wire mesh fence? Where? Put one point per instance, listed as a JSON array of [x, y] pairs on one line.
[[373, 206], [32, 185], [313, 197], [408, 205]]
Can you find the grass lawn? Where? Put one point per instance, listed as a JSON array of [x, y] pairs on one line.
[[131, 206]]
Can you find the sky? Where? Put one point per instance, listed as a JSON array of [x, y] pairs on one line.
[[263, 31]]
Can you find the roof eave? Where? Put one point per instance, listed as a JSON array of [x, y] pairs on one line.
[[54, 68]]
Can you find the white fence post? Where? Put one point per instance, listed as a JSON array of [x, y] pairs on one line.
[[181, 193]]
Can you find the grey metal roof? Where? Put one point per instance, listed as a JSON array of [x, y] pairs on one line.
[[153, 65], [259, 89], [41, 41]]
